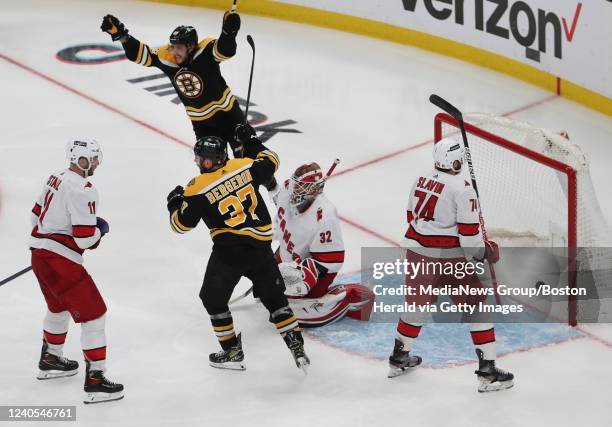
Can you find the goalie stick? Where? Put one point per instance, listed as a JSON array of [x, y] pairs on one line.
[[456, 114], [250, 290]]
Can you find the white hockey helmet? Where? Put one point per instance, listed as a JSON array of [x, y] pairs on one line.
[[83, 147], [447, 152]]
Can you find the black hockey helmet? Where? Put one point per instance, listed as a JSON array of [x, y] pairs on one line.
[[213, 148], [184, 34]]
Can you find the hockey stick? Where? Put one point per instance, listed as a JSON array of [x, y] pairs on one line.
[[234, 6], [456, 114], [241, 296], [252, 44], [16, 275], [250, 290]]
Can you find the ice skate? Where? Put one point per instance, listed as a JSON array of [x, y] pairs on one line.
[[401, 361], [51, 366], [98, 389], [229, 359], [491, 378], [295, 343]]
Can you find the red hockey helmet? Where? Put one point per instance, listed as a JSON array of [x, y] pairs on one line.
[[307, 183]]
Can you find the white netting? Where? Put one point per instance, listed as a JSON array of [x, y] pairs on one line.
[[525, 202], [520, 196]]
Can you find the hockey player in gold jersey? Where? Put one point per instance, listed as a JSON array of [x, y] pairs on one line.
[[193, 68], [226, 197]]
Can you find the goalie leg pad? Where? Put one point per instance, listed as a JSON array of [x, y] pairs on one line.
[[316, 312], [361, 301]]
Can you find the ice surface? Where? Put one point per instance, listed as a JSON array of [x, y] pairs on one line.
[[353, 98]]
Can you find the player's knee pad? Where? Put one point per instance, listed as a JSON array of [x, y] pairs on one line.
[[274, 302], [61, 317], [95, 325], [93, 333], [212, 302]]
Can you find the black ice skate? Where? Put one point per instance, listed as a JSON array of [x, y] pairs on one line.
[[295, 343], [229, 359], [52, 366], [99, 389], [491, 378], [400, 361]]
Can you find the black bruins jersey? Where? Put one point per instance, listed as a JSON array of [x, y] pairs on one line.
[[229, 202], [208, 100]]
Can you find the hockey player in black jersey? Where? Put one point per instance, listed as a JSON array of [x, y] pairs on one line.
[[226, 197], [193, 68]]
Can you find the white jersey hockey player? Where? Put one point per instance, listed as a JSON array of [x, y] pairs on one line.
[[64, 225], [311, 252], [444, 225]]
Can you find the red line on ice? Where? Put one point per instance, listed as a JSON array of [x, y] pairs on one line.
[[94, 100]]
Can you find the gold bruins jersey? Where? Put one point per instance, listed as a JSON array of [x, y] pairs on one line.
[[229, 202], [199, 83]]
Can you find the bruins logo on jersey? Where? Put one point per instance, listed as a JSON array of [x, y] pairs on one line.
[[189, 84]]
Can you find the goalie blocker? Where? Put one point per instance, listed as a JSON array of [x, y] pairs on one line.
[[311, 252]]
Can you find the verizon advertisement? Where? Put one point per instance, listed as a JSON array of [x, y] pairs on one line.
[[571, 39]]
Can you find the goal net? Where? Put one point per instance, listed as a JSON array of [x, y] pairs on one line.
[[536, 190]]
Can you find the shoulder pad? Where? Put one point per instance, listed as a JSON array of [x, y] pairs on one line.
[[205, 42], [199, 183], [163, 53]]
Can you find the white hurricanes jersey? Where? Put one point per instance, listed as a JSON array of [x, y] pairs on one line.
[[64, 216], [313, 234], [443, 212]]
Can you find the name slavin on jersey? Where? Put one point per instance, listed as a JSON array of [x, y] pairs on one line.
[[88, 54], [229, 186], [430, 185]]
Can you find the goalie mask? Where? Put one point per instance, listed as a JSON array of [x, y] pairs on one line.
[[307, 183], [448, 154], [83, 147]]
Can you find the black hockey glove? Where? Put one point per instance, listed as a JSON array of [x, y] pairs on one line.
[[175, 199], [114, 27], [231, 23], [244, 133], [271, 185]]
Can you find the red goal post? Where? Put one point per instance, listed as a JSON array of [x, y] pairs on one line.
[[490, 153]]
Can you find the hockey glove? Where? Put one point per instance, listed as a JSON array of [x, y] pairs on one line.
[[175, 199], [114, 27], [272, 186], [231, 23], [299, 278], [244, 133], [102, 225], [491, 251]]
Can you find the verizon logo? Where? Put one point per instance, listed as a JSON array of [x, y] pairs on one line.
[[501, 18]]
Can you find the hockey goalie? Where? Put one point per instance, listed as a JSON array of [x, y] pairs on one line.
[[311, 252]]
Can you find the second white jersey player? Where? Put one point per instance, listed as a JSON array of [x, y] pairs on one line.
[[311, 251]]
